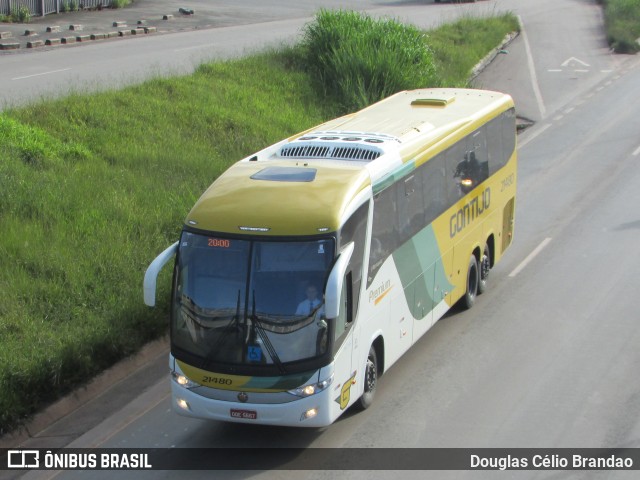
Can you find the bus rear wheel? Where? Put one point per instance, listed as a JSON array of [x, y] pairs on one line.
[[370, 380], [473, 279]]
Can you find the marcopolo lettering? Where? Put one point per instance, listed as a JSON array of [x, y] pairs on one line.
[[469, 212]]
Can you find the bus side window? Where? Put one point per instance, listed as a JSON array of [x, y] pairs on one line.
[[508, 134], [355, 230], [434, 182], [494, 137], [454, 156], [345, 315]]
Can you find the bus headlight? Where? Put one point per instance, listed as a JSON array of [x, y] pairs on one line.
[[312, 412], [312, 389], [182, 380]]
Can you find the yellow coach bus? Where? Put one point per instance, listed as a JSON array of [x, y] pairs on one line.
[[307, 269]]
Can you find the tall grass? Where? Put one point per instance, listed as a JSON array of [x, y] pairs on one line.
[[459, 46], [622, 21], [359, 60], [92, 187]]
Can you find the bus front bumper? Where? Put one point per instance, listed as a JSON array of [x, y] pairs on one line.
[[312, 411]]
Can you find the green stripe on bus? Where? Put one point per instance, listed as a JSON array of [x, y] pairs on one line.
[[394, 176], [418, 255]]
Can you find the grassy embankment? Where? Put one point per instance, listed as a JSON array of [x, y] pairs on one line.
[[92, 187], [622, 21]]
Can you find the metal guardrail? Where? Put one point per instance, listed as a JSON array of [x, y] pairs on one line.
[[40, 8]]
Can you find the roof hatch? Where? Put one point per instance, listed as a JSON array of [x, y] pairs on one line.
[[286, 174], [442, 101]]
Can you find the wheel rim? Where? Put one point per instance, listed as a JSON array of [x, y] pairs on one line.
[[372, 374], [485, 267]]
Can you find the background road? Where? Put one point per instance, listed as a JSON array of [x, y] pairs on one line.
[[548, 357]]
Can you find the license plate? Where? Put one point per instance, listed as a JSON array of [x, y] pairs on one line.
[[244, 414]]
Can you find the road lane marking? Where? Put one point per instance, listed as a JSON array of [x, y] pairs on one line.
[[531, 256], [194, 47], [533, 135], [40, 74], [532, 69], [636, 152], [568, 61]]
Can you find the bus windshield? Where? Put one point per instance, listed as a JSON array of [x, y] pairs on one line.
[[250, 302]]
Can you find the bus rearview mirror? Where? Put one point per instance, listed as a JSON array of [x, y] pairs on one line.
[[334, 283], [151, 275]]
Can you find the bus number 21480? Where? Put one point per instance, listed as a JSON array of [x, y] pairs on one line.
[[217, 380]]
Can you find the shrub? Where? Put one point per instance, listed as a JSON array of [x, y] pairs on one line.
[[21, 15], [119, 3], [622, 20], [360, 60]]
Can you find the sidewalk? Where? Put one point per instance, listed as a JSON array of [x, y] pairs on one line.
[[142, 17]]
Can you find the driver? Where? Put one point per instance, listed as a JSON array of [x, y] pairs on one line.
[[309, 304]]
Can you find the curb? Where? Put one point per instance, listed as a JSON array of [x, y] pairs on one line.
[[96, 387], [482, 64], [73, 36]]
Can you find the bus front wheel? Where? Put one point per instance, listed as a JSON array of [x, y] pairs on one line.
[[473, 279], [370, 379]]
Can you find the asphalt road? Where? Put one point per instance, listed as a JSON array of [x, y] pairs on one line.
[[219, 30], [549, 356]]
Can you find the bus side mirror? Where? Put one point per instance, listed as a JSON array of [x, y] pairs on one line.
[[151, 275], [333, 290]]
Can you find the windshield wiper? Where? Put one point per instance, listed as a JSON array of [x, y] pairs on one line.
[[222, 335], [256, 324]]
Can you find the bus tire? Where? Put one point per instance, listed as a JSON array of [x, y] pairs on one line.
[[485, 268], [473, 279], [370, 379]]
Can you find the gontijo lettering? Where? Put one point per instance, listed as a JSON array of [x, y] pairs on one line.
[[469, 212]]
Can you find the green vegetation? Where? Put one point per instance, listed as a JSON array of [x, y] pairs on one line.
[[69, 6], [21, 15], [120, 3], [360, 60], [622, 21], [459, 46], [93, 187]]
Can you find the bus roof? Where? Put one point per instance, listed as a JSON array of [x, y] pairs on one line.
[[304, 185]]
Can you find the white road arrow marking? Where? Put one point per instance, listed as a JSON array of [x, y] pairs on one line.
[[574, 59]]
